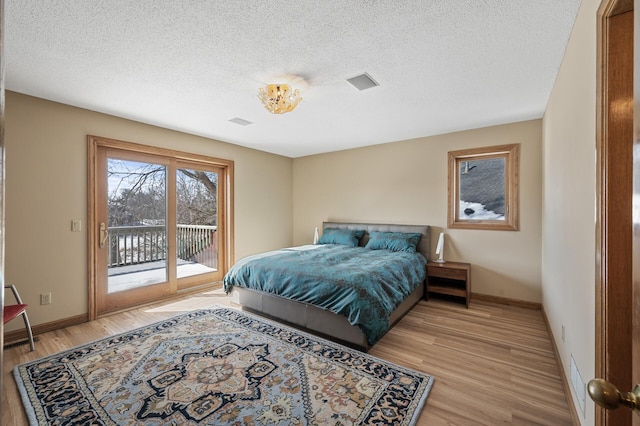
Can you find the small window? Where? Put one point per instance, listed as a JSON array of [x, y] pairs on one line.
[[483, 188]]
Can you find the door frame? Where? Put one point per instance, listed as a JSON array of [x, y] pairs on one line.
[[225, 215], [614, 269], [2, 185]]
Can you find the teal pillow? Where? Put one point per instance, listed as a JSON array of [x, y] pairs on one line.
[[394, 241], [346, 237]]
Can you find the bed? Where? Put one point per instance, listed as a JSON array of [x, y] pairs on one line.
[[282, 287]]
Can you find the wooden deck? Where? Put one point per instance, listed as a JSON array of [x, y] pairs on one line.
[[133, 276], [493, 364]]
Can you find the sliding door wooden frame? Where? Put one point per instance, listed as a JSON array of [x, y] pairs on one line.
[[225, 193], [197, 280], [111, 301]]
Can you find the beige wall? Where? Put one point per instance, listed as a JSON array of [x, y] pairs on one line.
[[568, 260], [46, 187], [406, 182]]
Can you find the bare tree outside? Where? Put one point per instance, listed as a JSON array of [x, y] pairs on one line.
[[137, 210], [197, 220], [137, 193], [197, 193]]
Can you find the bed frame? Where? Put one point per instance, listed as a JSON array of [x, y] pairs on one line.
[[323, 322]]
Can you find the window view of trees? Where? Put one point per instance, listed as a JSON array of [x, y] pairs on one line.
[[137, 195], [137, 220], [197, 220], [197, 197]]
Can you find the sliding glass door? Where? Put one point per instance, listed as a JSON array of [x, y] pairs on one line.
[[196, 222], [136, 228], [158, 226]]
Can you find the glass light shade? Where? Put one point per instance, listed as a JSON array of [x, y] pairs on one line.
[[279, 98]]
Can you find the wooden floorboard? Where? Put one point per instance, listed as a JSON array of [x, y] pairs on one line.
[[493, 364]]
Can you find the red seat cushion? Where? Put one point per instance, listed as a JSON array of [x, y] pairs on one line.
[[12, 311]]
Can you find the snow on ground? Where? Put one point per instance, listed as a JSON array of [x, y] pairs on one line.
[[477, 211]]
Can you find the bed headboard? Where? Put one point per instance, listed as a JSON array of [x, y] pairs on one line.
[[424, 245]]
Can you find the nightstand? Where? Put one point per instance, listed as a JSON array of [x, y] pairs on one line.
[[450, 278]]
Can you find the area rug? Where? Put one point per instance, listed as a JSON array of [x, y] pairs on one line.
[[218, 367]]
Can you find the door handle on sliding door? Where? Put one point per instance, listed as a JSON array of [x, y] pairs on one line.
[[104, 234]]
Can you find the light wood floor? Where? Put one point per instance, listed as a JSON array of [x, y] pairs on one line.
[[493, 364]]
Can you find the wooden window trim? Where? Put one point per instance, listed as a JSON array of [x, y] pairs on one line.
[[511, 153]]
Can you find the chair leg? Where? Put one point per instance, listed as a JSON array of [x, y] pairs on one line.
[[28, 327]]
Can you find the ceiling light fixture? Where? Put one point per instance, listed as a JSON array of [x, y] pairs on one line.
[[279, 98]]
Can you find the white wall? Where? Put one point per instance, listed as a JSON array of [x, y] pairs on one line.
[[46, 187], [568, 256], [406, 182]]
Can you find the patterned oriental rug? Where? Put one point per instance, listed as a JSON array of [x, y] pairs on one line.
[[218, 367]]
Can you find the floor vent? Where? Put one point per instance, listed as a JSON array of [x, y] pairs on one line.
[[578, 385], [19, 343]]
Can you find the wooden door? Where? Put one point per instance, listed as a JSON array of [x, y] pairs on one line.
[[133, 252], [635, 338], [617, 177]]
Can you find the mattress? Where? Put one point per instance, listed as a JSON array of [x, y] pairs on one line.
[[364, 286]]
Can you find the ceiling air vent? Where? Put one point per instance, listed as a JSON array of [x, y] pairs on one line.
[[240, 121], [363, 81]]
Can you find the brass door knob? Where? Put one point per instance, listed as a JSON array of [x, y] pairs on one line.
[[606, 395]]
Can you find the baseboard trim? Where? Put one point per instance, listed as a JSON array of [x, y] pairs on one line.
[[506, 301], [16, 335], [79, 319], [565, 384]]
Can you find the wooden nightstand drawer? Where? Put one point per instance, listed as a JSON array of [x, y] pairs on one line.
[[443, 272]]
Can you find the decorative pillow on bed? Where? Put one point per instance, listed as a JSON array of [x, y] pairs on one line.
[[394, 241], [346, 237]]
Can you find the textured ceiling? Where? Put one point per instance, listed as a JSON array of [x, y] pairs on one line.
[[192, 65]]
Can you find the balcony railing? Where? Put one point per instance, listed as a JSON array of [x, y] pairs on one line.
[[133, 245]]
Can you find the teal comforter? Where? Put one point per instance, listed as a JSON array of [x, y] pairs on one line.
[[363, 285]]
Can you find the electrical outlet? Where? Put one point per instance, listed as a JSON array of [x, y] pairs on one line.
[[45, 298]]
